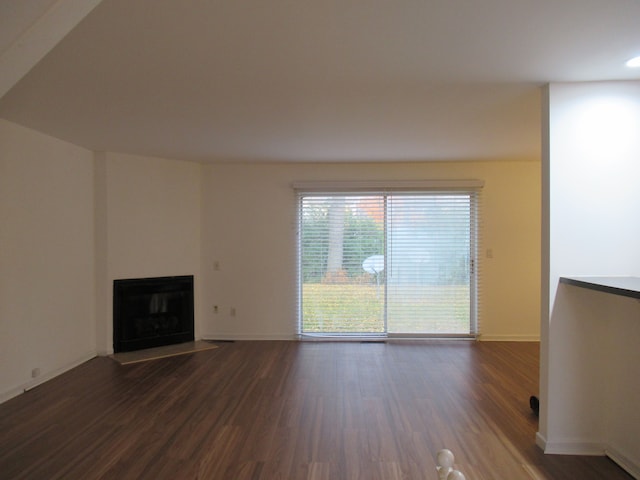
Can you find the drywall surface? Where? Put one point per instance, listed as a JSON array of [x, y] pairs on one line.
[[591, 216], [47, 295], [250, 246], [151, 217]]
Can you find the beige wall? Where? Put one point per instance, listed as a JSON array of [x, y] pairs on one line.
[[72, 221], [47, 295], [151, 219], [249, 229]]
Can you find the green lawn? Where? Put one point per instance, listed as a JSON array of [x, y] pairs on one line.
[[347, 308]]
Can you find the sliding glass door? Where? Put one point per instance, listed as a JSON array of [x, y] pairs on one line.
[[342, 252], [429, 274], [399, 263]]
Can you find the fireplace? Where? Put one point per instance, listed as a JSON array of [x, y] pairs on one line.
[[151, 312]]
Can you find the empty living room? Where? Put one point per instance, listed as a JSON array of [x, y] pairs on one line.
[[319, 240]]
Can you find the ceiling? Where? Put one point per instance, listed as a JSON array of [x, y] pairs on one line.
[[303, 80]]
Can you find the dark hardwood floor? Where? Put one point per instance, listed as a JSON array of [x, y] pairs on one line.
[[290, 410]]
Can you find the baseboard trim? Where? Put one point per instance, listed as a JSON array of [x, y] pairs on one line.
[[508, 338], [575, 448], [624, 462], [11, 393], [227, 337], [45, 377], [284, 336], [541, 442]]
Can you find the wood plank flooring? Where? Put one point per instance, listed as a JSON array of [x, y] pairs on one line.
[[290, 410]]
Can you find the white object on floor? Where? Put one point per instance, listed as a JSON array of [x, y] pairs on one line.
[[444, 465], [455, 475]]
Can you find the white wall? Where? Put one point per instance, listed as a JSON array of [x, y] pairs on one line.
[[85, 219], [592, 216], [151, 217], [249, 229], [71, 222], [47, 294]]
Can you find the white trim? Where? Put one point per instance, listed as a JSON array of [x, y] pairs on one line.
[[575, 447], [233, 337], [624, 462], [11, 393], [508, 338], [40, 38], [420, 189], [432, 336], [310, 337], [20, 389], [541, 442], [384, 185], [390, 338], [631, 467]]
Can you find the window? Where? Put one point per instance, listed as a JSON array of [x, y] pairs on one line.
[[392, 262]]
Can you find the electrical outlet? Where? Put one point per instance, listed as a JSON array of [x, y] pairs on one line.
[[35, 373]]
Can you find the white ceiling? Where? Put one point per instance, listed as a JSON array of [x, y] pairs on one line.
[[17, 16], [325, 80]]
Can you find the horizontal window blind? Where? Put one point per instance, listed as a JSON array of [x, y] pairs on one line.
[[342, 264], [388, 262], [428, 248]]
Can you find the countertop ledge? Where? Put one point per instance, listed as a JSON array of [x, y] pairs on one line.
[[623, 286]]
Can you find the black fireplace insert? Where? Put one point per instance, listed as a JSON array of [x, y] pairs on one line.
[[152, 312]]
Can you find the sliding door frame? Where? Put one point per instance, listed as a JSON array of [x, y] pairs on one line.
[[472, 188]]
